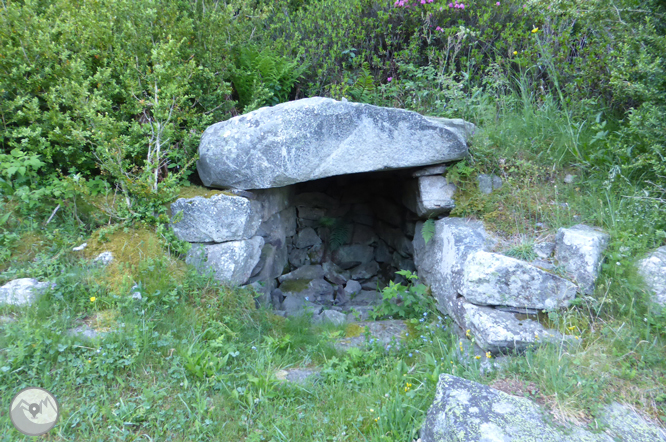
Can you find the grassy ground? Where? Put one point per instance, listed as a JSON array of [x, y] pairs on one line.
[[196, 361]]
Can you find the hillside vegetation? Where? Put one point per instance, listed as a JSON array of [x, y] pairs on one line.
[[102, 105]]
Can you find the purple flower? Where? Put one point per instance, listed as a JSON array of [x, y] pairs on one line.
[[389, 79], [462, 6], [498, 3], [450, 5]]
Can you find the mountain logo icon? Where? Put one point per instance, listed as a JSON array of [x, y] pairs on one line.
[[34, 411]]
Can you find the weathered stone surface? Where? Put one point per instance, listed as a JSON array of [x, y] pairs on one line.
[[231, 262], [217, 219], [21, 292], [579, 249], [440, 262], [466, 411], [496, 330], [544, 250], [437, 169], [367, 297], [494, 279], [297, 376], [653, 270], [306, 272], [353, 255], [388, 333], [334, 273], [365, 271], [307, 238], [272, 263], [296, 305], [331, 317], [274, 200], [310, 214], [299, 258], [488, 183], [623, 422], [352, 288], [429, 196], [278, 227], [313, 138]]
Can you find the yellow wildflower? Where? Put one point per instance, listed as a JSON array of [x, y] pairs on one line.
[[488, 355], [515, 52], [535, 30], [477, 357], [467, 334], [92, 299]]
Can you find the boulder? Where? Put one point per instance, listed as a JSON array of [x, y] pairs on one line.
[[307, 238], [352, 255], [488, 183], [24, 291], [299, 258], [440, 262], [382, 252], [330, 317], [352, 288], [494, 279], [626, 424], [579, 249], [365, 271], [334, 274], [216, 219], [653, 270], [231, 262], [363, 235], [429, 196], [308, 272], [466, 411], [314, 138], [272, 262], [496, 330]]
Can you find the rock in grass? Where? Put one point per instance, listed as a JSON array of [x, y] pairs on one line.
[[653, 270], [466, 411], [579, 249], [22, 292]]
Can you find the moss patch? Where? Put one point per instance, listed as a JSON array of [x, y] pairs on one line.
[[352, 330], [295, 286], [138, 255]]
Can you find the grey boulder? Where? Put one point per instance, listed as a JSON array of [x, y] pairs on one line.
[[466, 411], [314, 138], [22, 292], [216, 219], [653, 270], [496, 330], [429, 196], [231, 262], [494, 279], [579, 249]]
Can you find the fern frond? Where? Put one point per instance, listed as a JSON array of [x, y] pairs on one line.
[[428, 230]]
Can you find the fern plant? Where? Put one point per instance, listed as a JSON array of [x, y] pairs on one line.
[[364, 87], [263, 78], [428, 230]]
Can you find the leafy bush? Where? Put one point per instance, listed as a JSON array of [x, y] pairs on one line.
[[399, 301]]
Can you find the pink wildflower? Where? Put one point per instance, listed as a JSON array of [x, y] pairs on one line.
[[389, 79]]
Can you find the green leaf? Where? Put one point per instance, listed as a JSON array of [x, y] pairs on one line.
[[428, 230]]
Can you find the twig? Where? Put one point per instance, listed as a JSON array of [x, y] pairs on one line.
[[52, 215]]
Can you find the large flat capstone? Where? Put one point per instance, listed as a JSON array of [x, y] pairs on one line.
[[317, 137]]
